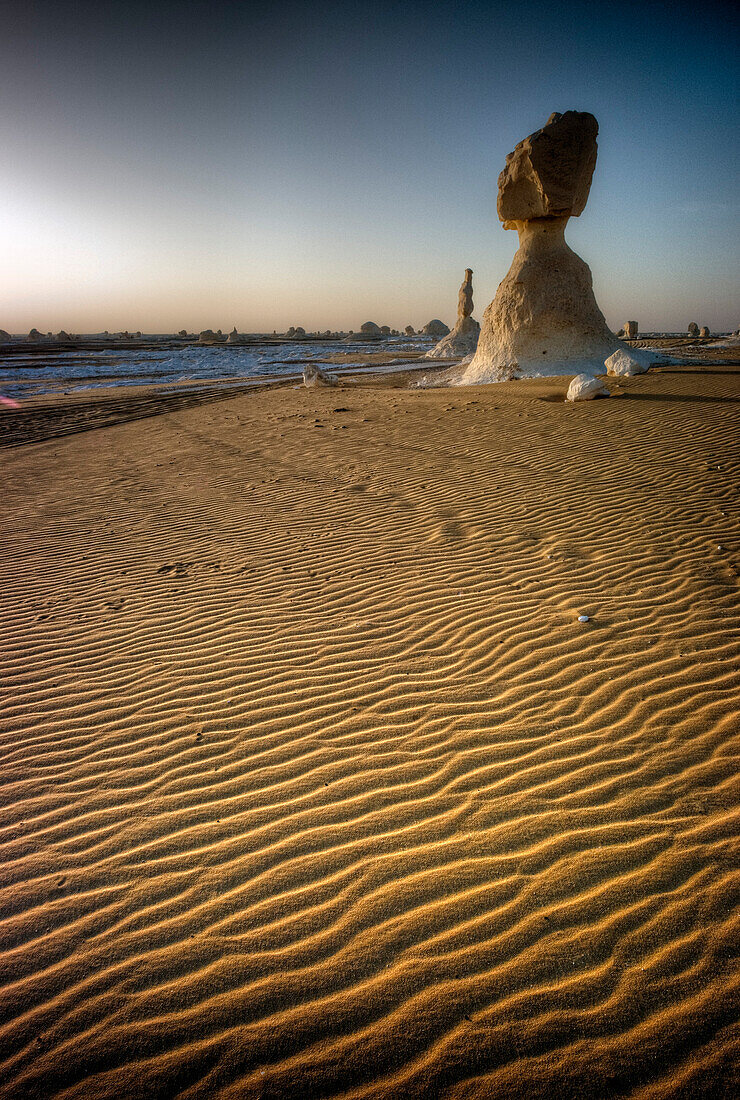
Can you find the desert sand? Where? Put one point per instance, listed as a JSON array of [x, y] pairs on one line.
[[313, 782]]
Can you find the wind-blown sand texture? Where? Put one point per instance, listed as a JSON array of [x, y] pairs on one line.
[[314, 786]]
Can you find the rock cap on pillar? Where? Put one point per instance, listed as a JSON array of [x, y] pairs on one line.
[[548, 175]]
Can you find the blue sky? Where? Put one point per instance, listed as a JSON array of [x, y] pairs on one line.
[[204, 165]]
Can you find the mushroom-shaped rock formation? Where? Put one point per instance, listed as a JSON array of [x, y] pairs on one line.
[[463, 339], [693, 329], [544, 319], [369, 328], [585, 388], [704, 331], [435, 328], [630, 330]]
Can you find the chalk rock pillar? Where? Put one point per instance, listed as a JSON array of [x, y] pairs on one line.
[[630, 330], [544, 319], [463, 339]]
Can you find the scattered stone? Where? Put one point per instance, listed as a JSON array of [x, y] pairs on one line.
[[463, 339], [315, 376], [585, 388], [622, 364], [583, 618]]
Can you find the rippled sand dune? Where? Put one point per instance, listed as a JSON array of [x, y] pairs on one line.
[[313, 785]]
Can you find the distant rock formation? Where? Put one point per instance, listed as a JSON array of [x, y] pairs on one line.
[[63, 337], [630, 330], [544, 319], [234, 337], [585, 388], [385, 330], [435, 328], [622, 363], [693, 329], [369, 331], [35, 336], [315, 376], [207, 336], [463, 339], [295, 332], [410, 330], [704, 331], [5, 337]]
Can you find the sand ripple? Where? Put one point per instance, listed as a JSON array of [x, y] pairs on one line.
[[312, 783]]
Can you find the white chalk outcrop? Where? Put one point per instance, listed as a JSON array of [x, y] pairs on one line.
[[435, 327], [623, 364], [544, 319], [584, 387], [630, 330], [704, 331], [463, 339], [315, 376], [693, 329]]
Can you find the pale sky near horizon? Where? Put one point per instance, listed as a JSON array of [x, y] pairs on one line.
[[192, 165]]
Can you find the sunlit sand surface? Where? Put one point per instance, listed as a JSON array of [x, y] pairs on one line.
[[315, 786]]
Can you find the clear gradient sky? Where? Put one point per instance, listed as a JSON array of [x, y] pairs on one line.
[[192, 165]]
